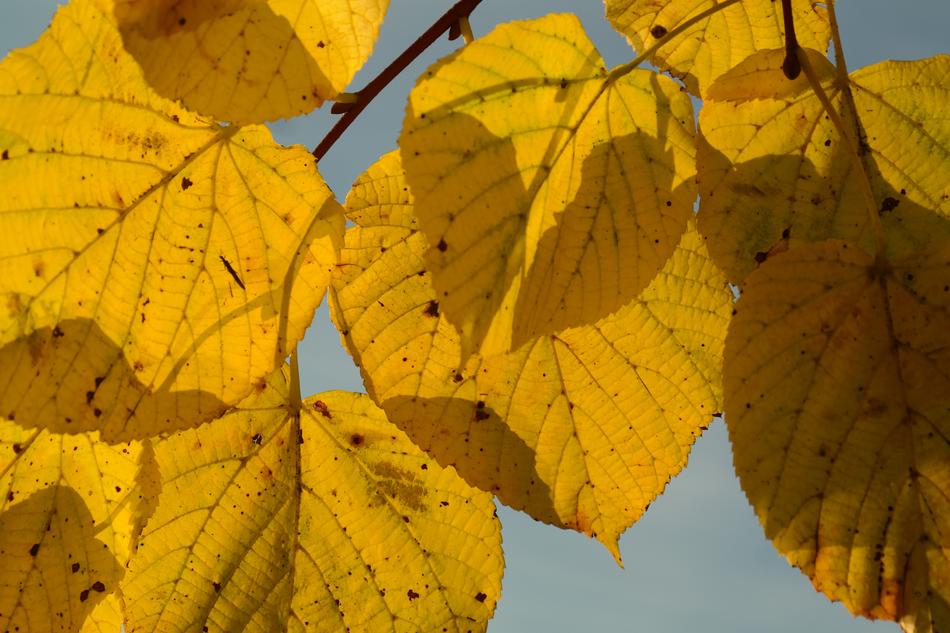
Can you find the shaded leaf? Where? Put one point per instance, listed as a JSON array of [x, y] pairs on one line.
[[67, 522], [836, 378], [719, 42], [146, 256], [326, 522], [250, 61], [581, 429], [772, 163], [550, 195]]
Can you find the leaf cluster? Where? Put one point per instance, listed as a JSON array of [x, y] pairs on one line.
[[551, 287]]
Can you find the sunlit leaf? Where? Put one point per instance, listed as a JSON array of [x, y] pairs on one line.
[[719, 42], [67, 522], [332, 521], [146, 256], [250, 61], [836, 378], [773, 166], [581, 429], [550, 195]]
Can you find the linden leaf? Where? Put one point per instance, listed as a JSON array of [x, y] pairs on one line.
[[67, 523], [836, 378], [331, 521], [550, 194], [581, 429], [719, 42], [146, 256], [250, 61], [774, 167]]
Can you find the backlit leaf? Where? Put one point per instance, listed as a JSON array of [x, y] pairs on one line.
[[836, 378], [550, 194], [146, 256], [250, 61], [67, 520], [773, 167], [582, 428], [332, 521], [719, 42]]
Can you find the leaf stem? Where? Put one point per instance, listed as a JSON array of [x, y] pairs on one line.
[[791, 67], [624, 69], [851, 143], [295, 399], [458, 12]]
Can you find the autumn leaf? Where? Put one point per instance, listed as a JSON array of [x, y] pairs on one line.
[[774, 168], [327, 521], [719, 42], [550, 193], [581, 429], [250, 61], [836, 378], [68, 516], [147, 256]]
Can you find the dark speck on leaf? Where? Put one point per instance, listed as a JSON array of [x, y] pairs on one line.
[[98, 586], [217, 587], [186, 183], [6, 154], [889, 204], [257, 439], [17, 448], [761, 256], [432, 309], [322, 408], [442, 246], [658, 31], [182, 21], [35, 549], [412, 594], [480, 596], [74, 567], [83, 595], [357, 440]]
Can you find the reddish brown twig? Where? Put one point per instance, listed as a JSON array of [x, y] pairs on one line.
[[791, 66], [448, 21]]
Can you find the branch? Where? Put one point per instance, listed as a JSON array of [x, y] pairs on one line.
[[450, 19]]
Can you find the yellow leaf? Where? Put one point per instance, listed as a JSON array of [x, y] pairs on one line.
[[331, 521], [550, 194], [146, 255], [836, 378], [250, 61], [582, 428], [67, 522], [716, 44], [773, 167]]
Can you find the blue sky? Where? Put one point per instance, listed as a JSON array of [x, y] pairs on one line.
[[697, 561]]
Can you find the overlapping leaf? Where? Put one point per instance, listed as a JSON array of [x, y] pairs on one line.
[[837, 370], [69, 510], [250, 61], [582, 428], [146, 256], [719, 42], [331, 521], [550, 194], [773, 167]]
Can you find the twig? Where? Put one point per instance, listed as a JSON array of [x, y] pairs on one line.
[[791, 66], [459, 11]]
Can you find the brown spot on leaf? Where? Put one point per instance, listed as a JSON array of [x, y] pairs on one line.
[[186, 183], [98, 586], [17, 448], [658, 31], [5, 155], [412, 594], [83, 595], [432, 309], [74, 567], [889, 204], [442, 246], [357, 440], [217, 587], [34, 549], [480, 596], [321, 407]]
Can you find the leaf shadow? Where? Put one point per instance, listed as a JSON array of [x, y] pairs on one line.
[[73, 378], [609, 242], [245, 41], [55, 569], [750, 212], [474, 439]]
